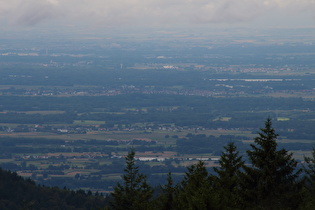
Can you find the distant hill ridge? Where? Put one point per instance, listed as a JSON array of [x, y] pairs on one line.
[[17, 192]]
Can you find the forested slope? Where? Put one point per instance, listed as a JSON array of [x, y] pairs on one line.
[[19, 193]]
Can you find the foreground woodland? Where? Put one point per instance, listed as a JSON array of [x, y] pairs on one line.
[[271, 179]]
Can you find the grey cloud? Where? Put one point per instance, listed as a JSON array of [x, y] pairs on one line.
[[29, 13], [133, 12], [36, 12]]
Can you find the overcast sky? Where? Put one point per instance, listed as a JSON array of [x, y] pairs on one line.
[[33, 14]]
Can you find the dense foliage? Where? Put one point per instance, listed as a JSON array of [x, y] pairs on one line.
[[135, 192], [271, 180], [19, 193]]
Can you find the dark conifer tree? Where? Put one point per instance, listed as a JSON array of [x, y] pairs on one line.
[[196, 189], [271, 181], [228, 179], [134, 193], [165, 201], [309, 169]]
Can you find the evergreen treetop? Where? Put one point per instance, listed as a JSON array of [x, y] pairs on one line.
[[134, 193], [196, 189], [228, 177], [230, 165], [271, 181]]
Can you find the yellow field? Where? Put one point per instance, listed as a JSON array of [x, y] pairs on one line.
[[283, 119]]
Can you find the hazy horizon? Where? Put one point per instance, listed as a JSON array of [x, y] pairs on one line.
[[92, 19]]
